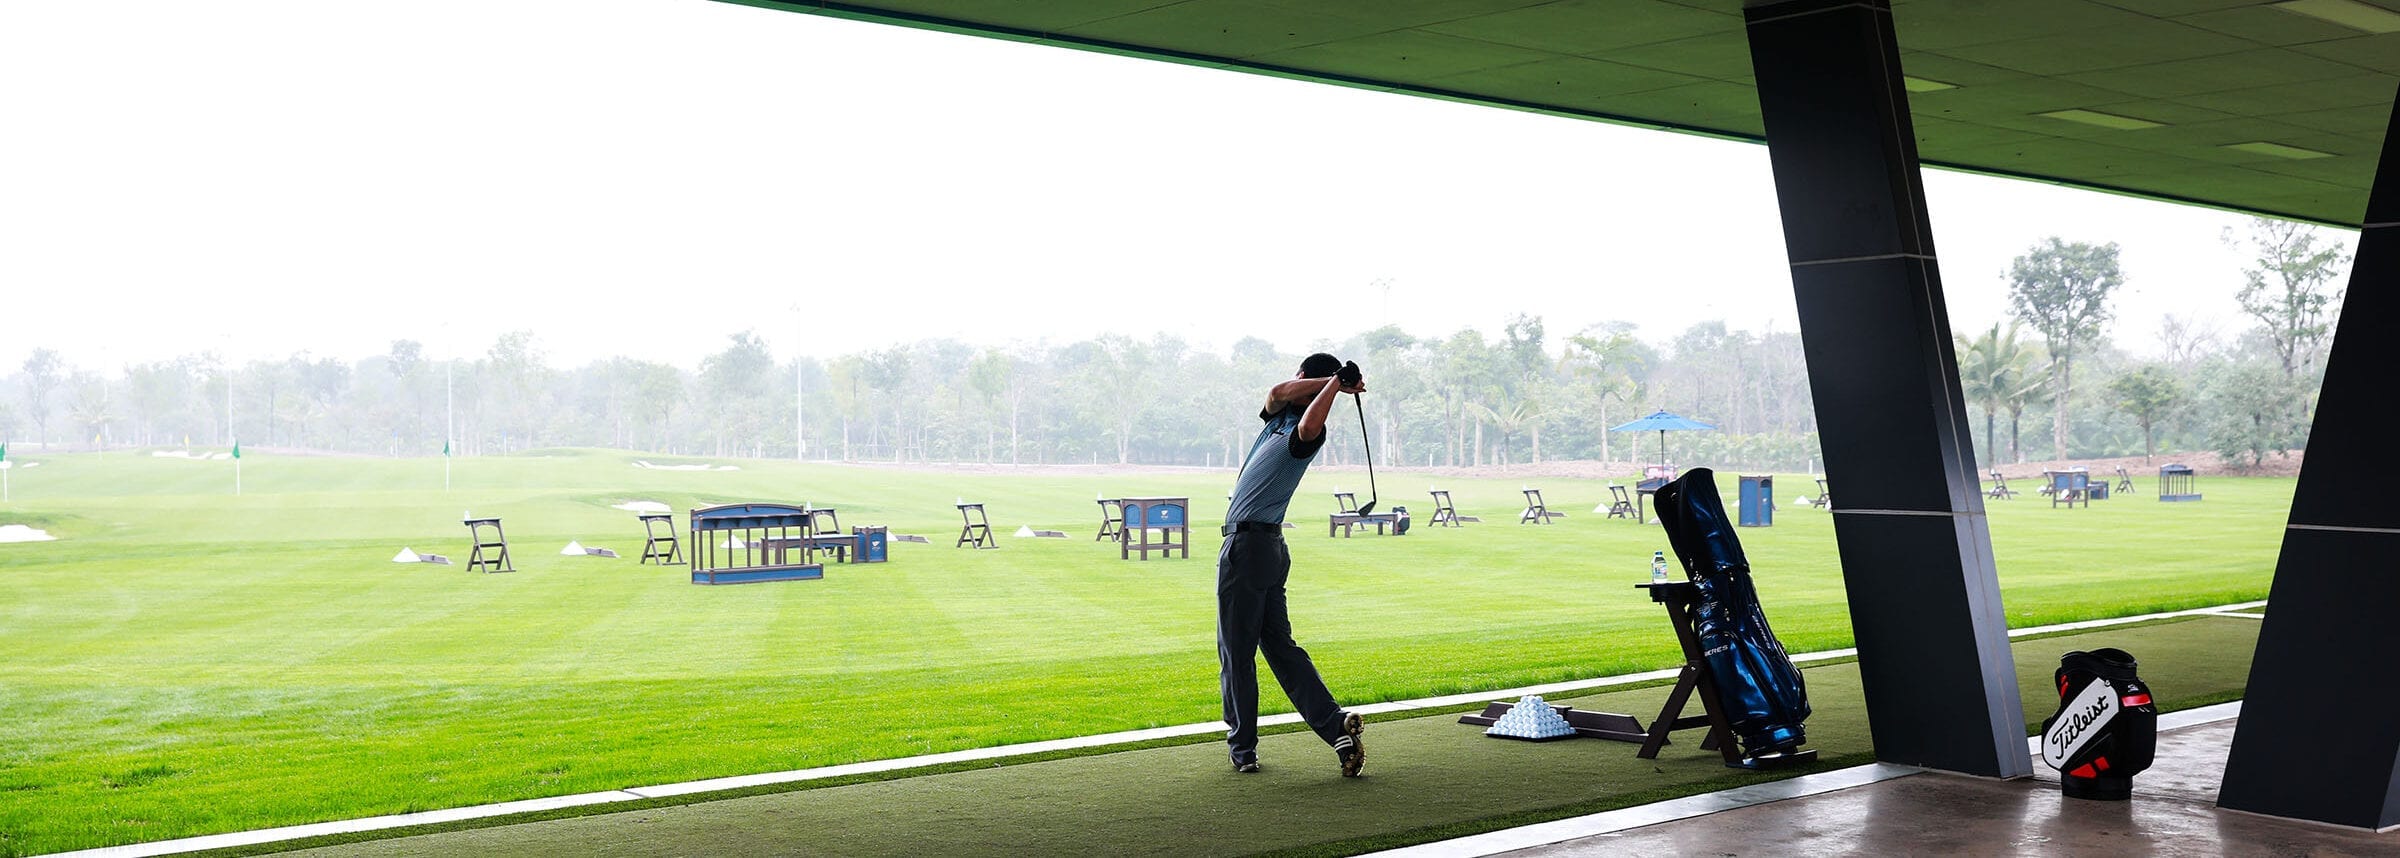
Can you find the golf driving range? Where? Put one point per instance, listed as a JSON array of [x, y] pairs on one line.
[[182, 662]]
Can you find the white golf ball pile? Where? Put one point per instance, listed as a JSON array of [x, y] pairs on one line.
[[1531, 719]]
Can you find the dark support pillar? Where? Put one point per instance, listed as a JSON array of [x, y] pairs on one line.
[[1916, 553], [2320, 731]]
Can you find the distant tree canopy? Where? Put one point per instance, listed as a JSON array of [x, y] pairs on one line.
[[2291, 288], [2062, 290], [2147, 392], [40, 378], [1463, 397], [1459, 399]]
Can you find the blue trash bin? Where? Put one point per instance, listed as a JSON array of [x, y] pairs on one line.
[[874, 544], [1758, 500]]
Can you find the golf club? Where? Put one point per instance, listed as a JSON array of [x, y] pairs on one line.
[[1369, 507]]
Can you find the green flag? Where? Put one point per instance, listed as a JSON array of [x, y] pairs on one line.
[[445, 447], [3, 451], [237, 448]]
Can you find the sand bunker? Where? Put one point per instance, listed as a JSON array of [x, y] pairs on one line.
[[21, 533], [642, 506], [187, 454]]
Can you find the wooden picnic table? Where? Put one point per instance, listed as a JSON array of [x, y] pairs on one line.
[[1345, 521]]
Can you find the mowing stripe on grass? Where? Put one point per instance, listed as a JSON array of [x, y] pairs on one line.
[[1105, 740]]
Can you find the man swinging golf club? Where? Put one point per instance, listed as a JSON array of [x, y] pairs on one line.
[[1253, 564]]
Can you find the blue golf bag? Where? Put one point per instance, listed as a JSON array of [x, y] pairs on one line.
[[1764, 697]]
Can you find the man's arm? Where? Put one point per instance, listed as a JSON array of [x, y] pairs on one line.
[[1295, 390], [1312, 421]]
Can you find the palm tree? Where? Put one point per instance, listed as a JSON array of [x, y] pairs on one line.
[[1995, 370], [1513, 419], [2037, 383]]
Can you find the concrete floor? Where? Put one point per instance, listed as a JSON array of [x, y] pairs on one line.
[[2173, 812]]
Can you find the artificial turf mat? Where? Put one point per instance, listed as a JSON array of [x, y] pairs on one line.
[[1428, 778]]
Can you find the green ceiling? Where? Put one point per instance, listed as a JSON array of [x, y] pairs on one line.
[[2212, 73]]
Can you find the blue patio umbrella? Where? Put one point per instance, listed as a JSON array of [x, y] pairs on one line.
[[1663, 422]]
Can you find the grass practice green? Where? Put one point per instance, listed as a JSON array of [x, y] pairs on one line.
[[1428, 778], [182, 661]]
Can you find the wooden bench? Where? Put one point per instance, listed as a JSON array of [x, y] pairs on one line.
[[1345, 521], [1349, 517]]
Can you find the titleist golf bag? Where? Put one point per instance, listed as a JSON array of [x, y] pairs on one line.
[[1764, 697], [2106, 728]]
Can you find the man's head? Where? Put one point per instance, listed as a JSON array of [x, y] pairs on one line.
[[1320, 365]]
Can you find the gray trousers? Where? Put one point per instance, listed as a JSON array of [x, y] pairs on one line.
[[1251, 568]]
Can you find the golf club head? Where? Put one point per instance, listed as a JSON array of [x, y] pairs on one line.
[[1367, 508]]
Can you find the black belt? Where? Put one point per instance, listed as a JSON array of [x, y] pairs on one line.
[[1234, 527]]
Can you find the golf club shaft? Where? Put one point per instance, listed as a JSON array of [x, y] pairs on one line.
[[1372, 495]]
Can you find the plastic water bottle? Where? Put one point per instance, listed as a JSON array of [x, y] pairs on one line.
[[1658, 567]]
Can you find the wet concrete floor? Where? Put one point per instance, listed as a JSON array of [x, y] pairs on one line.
[[2173, 812]]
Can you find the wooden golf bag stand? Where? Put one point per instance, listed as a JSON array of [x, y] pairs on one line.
[[1678, 596]]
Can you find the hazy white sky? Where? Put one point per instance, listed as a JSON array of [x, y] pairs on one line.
[[647, 177]]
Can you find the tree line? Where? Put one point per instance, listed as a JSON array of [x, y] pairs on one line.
[[2244, 394], [1462, 399]]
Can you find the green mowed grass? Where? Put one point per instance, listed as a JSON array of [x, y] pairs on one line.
[[183, 661]]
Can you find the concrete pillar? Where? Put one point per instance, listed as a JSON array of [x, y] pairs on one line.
[[1916, 552], [2320, 732]]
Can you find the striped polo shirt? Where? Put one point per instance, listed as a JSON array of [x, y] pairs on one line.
[[1277, 460]]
